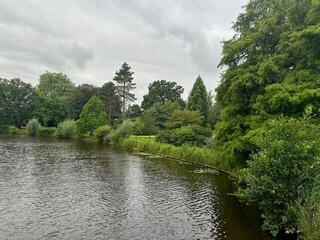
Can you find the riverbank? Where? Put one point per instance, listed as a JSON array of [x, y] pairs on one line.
[[204, 157]]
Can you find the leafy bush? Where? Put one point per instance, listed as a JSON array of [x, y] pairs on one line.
[[33, 127], [102, 132], [46, 131], [15, 130], [137, 127], [123, 130], [4, 128], [193, 135], [66, 129], [287, 162]]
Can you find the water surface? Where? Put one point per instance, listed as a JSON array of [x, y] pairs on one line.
[[52, 189]]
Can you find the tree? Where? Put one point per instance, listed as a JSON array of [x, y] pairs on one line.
[[54, 90], [198, 99], [185, 117], [162, 91], [112, 102], [55, 85], [134, 111], [78, 98], [272, 68], [161, 113], [18, 101], [124, 86], [92, 116]]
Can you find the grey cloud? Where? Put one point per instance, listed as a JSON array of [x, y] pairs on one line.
[[89, 40]]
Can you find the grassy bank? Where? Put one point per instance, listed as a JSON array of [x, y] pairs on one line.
[[203, 156]]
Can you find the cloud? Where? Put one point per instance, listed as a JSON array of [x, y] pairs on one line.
[[89, 40]]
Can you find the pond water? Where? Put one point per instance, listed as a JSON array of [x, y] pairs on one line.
[[53, 189]]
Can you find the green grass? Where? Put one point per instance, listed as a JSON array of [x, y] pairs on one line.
[[204, 156]]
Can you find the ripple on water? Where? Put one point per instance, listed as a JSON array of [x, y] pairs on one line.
[[69, 190]]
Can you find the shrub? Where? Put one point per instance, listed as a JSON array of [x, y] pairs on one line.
[[123, 130], [102, 132], [4, 128], [15, 130], [33, 127], [46, 131], [287, 162], [66, 129]]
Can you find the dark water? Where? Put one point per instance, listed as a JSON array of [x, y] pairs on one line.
[[52, 189]]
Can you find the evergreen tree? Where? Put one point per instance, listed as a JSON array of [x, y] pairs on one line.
[[107, 93], [92, 116], [198, 99], [124, 86]]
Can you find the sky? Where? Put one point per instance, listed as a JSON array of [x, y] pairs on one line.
[[89, 40]]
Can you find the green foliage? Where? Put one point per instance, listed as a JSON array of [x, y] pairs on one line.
[[193, 135], [124, 86], [54, 85], [138, 127], [148, 144], [185, 117], [66, 129], [272, 68], [287, 161], [108, 95], [308, 212], [102, 132], [158, 115], [15, 130], [33, 127], [92, 116], [78, 98], [135, 111], [4, 129], [124, 130], [161, 91], [18, 100], [198, 99], [46, 131], [50, 112]]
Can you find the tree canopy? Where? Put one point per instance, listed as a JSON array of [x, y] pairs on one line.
[[272, 68], [161, 91], [92, 115], [55, 85], [124, 86], [198, 99]]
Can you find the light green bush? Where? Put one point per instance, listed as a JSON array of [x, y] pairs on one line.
[[33, 127], [123, 130], [102, 132], [66, 129]]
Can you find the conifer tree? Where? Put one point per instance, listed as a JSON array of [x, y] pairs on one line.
[[198, 99], [124, 86]]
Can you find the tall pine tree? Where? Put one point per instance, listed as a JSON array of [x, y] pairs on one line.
[[198, 99], [124, 86]]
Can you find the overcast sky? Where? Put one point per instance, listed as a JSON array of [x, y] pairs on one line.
[[89, 40]]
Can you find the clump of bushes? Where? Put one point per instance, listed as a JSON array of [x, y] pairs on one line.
[[124, 130], [66, 129], [102, 133], [193, 135], [33, 127]]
